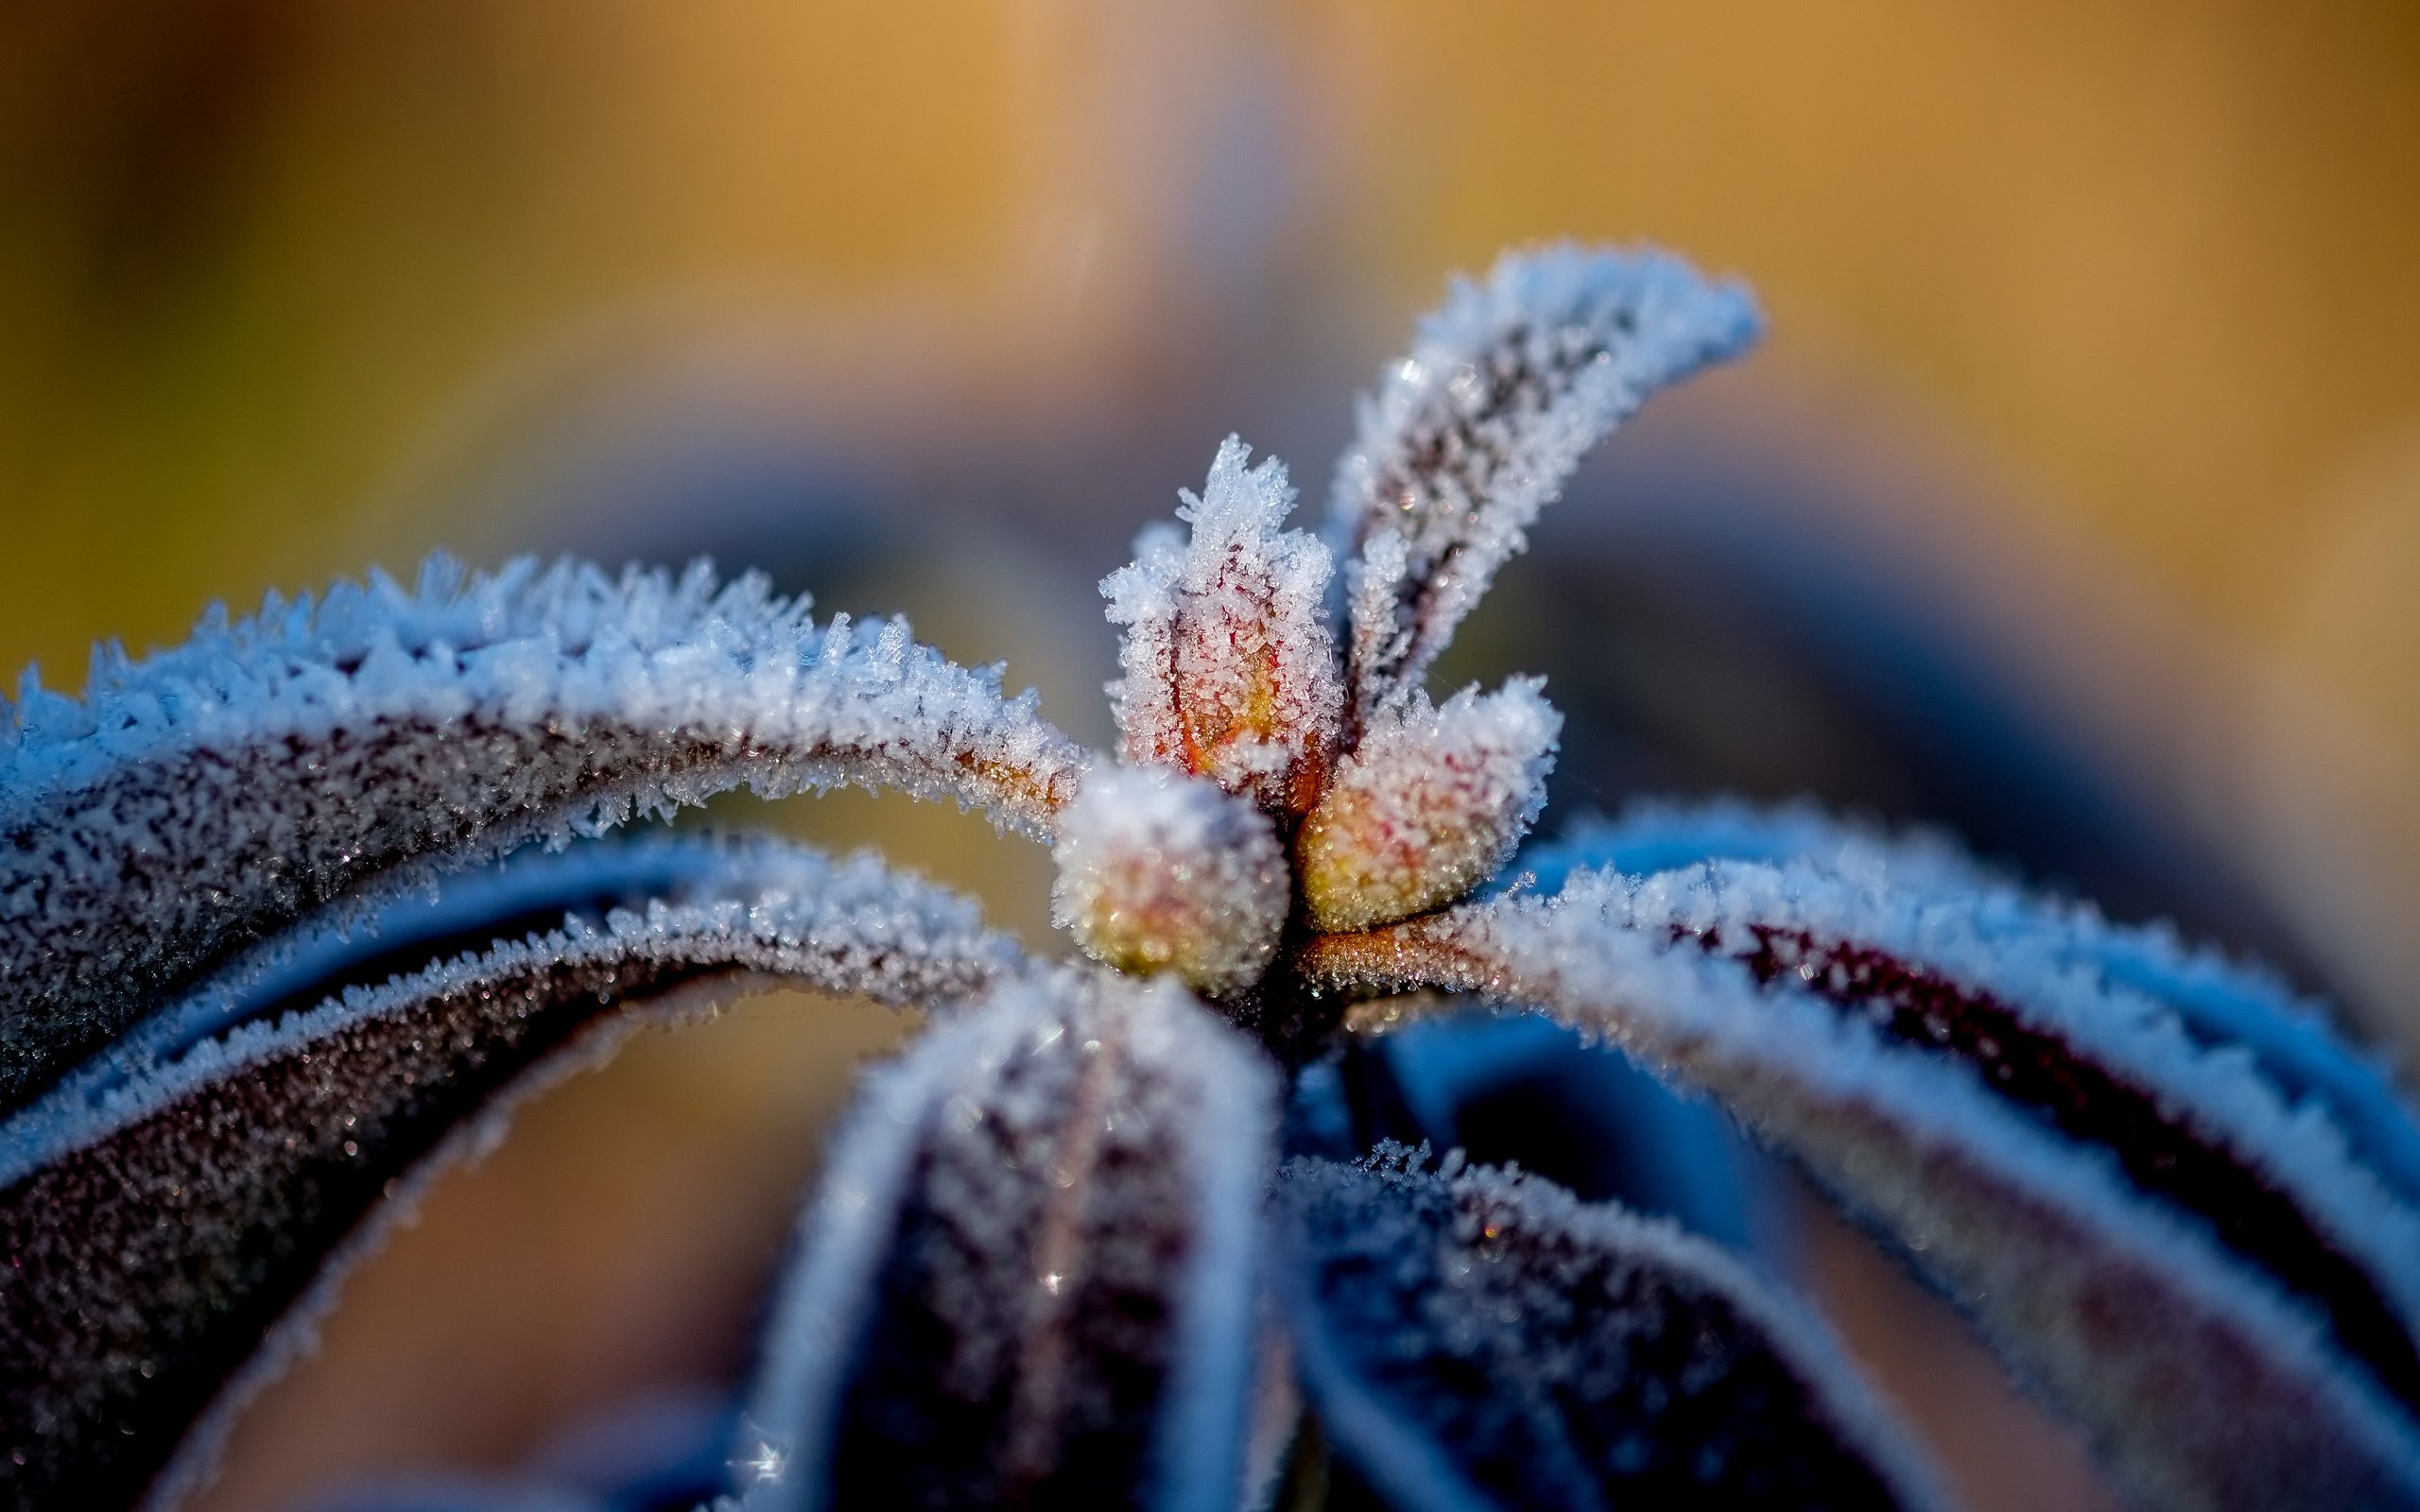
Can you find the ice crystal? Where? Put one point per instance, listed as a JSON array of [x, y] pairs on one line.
[[293, 913]]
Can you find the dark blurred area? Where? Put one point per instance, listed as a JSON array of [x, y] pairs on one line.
[[2073, 505]]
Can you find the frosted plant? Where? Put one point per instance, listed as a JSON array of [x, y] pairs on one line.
[[291, 915]]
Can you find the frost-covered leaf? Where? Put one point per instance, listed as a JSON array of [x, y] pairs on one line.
[[1229, 668], [174, 1214], [206, 798], [1159, 872], [1429, 805], [2219, 1004], [1474, 1339], [2209, 1086], [1028, 1277], [1478, 429], [2194, 1120], [2214, 1374]]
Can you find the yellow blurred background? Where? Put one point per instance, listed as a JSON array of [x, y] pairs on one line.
[[2117, 302]]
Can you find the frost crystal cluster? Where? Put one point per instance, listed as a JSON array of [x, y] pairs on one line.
[[292, 915]]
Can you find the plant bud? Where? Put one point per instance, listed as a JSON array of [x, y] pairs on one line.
[[1430, 805], [1230, 670], [1159, 872]]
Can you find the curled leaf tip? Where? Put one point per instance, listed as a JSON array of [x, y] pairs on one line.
[[1477, 429]]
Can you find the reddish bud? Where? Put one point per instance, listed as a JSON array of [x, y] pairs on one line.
[[1230, 669]]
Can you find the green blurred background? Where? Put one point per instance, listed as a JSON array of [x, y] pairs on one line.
[[2106, 316]]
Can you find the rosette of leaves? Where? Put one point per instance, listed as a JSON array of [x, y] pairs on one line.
[[290, 915]]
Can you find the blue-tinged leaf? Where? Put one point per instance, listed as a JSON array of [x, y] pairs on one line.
[[1474, 1339], [1028, 1278], [2218, 1368], [434, 1495], [1472, 433], [173, 1220], [1510, 1089], [209, 796], [665, 1451]]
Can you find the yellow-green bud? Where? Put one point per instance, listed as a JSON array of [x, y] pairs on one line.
[[1429, 806], [1160, 871]]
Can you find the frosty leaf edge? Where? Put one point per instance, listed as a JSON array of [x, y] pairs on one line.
[[484, 711]]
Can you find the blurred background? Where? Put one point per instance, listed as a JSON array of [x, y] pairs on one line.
[[2074, 503]]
